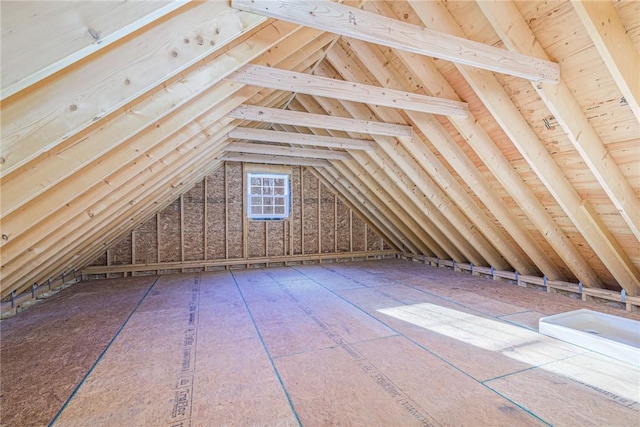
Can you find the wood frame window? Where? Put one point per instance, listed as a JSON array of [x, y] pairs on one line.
[[268, 196]]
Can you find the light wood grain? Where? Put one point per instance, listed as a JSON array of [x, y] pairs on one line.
[[366, 26], [352, 91]]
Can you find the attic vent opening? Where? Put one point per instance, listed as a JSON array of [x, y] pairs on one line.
[[268, 196]]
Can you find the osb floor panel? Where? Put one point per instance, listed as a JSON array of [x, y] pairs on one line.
[[387, 343]]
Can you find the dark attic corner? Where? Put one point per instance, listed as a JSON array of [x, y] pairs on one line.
[[254, 212]]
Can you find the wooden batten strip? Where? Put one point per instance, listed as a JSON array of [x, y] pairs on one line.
[[275, 78], [370, 27]]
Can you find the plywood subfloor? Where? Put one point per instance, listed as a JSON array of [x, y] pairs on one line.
[[384, 343]]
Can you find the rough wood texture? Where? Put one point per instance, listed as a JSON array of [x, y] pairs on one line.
[[365, 343], [265, 238]]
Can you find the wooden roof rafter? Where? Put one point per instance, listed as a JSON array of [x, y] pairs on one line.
[[515, 33], [502, 108]]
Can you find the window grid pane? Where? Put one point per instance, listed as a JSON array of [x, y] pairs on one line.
[[268, 196]]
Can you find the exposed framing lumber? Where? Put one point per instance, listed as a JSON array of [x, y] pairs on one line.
[[422, 213], [254, 134], [370, 27], [282, 150], [578, 210], [295, 118], [426, 168], [354, 205], [275, 160], [279, 79], [178, 105], [32, 269], [386, 202], [459, 161], [373, 208], [240, 261], [615, 47], [478, 139], [145, 64], [516, 35]]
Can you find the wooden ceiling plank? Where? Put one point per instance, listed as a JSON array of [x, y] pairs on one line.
[[618, 52], [370, 27], [459, 161], [478, 139], [66, 36], [275, 78], [296, 118], [497, 101], [42, 118], [264, 135], [515, 33]]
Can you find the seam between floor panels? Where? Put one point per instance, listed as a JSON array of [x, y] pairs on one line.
[[532, 414], [266, 350], [75, 390]]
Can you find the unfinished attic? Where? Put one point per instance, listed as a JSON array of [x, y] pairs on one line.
[[320, 213]]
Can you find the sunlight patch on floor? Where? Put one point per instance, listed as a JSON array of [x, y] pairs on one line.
[[525, 345]]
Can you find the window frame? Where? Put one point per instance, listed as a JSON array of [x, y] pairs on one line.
[[271, 194]]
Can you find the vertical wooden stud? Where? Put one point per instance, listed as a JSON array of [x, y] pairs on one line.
[[366, 243], [133, 249], [245, 219], [158, 238], [302, 210], [335, 222], [266, 241], [226, 213], [182, 230], [205, 235], [319, 218], [350, 230]]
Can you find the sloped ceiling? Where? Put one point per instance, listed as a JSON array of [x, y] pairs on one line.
[[112, 110]]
